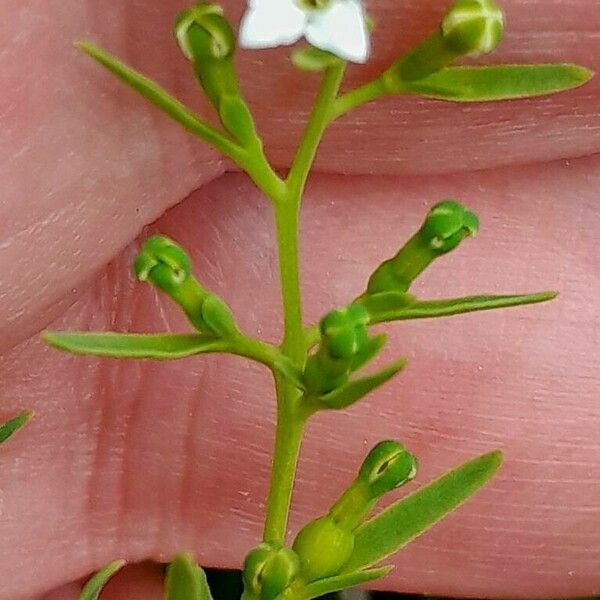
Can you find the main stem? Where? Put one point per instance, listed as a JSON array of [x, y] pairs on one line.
[[290, 418]]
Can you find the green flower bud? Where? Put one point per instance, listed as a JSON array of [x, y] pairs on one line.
[[268, 570], [237, 119], [166, 265], [322, 375], [219, 39], [447, 225], [163, 263], [473, 27], [344, 339], [388, 466], [345, 330], [217, 316], [207, 39], [324, 547], [428, 57]]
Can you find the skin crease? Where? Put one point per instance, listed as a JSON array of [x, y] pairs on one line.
[[135, 460]]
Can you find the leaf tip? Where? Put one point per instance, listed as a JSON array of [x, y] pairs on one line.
[[52, 338], [26, 416], [585, 74], [494, 460], [84, 46], [402, 363]]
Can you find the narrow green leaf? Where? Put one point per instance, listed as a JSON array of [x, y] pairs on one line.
[[371, 349], [158, 96], [502, 82], [132, 345], [14, 424], [359, 388], [92, 589], [398, 307], [341, 582], [409, 517], [186, 580]]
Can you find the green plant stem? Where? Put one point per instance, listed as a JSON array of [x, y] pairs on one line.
[[290, 417], [288, 440], [318, 121], [260, 171], [358, 96], [256, 350]]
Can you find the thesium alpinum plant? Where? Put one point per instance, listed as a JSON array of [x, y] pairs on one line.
[[321, 366]]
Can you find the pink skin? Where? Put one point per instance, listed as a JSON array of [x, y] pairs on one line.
[[139, 459]]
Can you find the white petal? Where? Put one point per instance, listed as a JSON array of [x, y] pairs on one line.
[[341, 28], [270, 23]]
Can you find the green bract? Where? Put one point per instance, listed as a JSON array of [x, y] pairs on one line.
[[504, 82], [93, 588], [319, 367]]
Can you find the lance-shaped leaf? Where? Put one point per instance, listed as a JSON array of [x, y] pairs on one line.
[[371, 349], [342, 582], [502, 82], [393, 306], [14, 424], [355, 390], [133, 345], [186, 580], [409, 517], [92, 589], [158, 96]]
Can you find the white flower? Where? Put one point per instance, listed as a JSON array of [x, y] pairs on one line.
[[337, 26]]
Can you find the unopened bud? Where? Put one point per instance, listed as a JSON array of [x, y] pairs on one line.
[[445, 227], [207, 39], [163, 263], [470, 27], [324, 547], [344, 337], [388, 466], [268, 570], [345, 330], [166, 265], [217, 39], [473, 27]]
